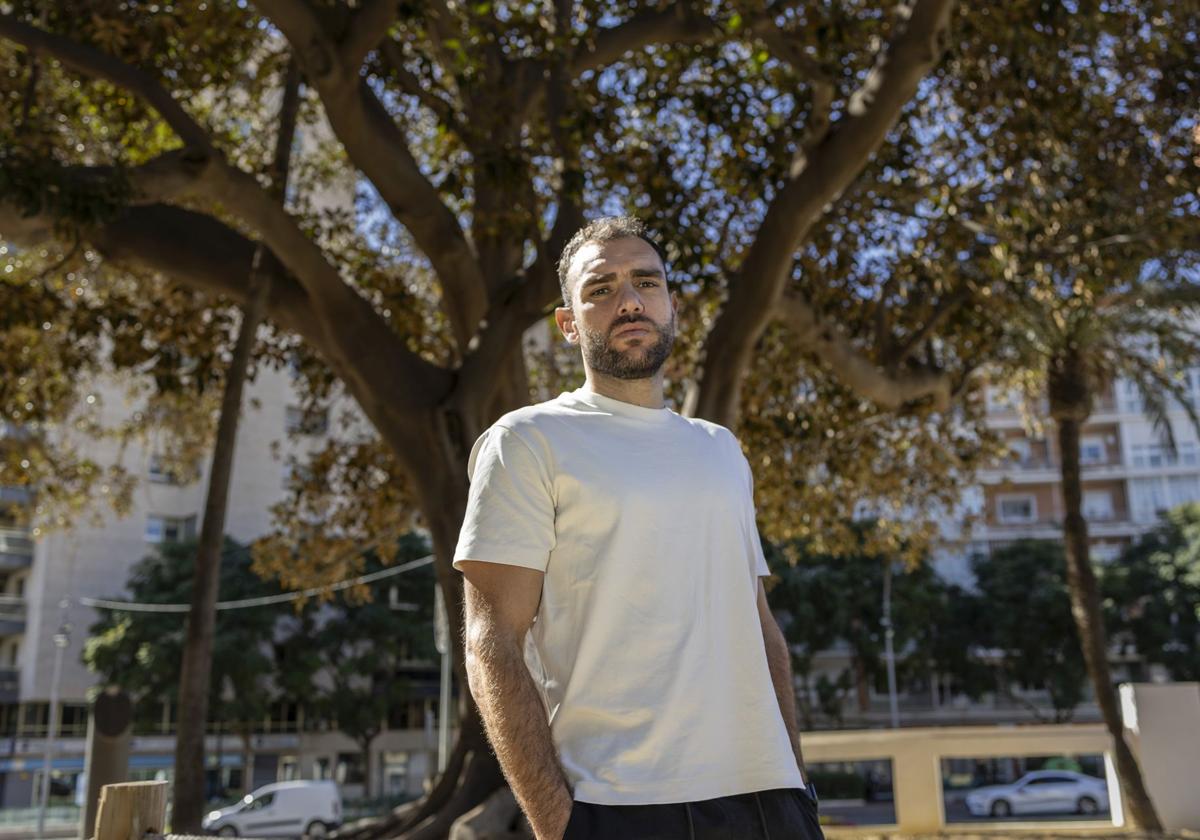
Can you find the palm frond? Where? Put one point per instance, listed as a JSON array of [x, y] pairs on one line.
[[1183, 296], [1157, 387]]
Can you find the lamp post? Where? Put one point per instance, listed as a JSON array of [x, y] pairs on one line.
[[61, 640], [889, 634], [441, 640]]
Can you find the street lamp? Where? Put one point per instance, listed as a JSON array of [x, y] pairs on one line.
[[441, 640], [61, 640], [889, 634]]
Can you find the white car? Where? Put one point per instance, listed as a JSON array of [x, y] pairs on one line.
[[1041, 792], [284, 809]]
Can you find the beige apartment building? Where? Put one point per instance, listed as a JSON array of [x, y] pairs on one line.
[[43, 576], [1130, 477]]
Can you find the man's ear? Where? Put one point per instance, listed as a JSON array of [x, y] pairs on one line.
[[564, 316]]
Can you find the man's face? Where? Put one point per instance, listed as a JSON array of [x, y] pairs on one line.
[[622, 314]]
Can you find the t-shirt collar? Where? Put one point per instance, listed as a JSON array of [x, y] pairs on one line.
[[637, 412]]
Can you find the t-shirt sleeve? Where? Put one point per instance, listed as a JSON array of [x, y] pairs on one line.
[[759, 560], [748, 517], [510, 508]]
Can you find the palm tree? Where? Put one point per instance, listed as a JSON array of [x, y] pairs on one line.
[[1080, 342]]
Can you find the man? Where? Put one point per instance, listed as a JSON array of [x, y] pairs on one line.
[[654, 698]]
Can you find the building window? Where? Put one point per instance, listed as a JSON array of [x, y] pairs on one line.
[[169, 529], [1097, 505], [1092, 451], [1020, 450], [1159, 455], [1183, 489], [289, 769], [1188, 454], [1129, 397], [1016, 510], [306, 421], [349, 769], [1147, 498], [159, 473], [1151, 455], [1001, 401]]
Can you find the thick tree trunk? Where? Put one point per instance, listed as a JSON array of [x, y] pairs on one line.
[[198, 642], [1070, 406], [472, 774]]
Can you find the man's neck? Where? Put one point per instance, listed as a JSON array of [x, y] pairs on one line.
[[648, 393]]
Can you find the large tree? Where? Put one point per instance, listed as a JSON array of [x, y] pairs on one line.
[[808, 166]]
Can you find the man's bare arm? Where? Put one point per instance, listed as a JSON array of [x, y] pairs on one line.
[[779, 660], [501, 602]]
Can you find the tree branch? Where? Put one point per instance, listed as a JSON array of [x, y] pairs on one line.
[[205, 254], [780, 44], [367, 28], [214, 179], [834, 164], [888, 389], [91, 62], [945, 307], [677, 24], [380, 150], [518, 308], [393, 58]]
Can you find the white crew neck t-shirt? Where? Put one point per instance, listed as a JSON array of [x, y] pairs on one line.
[[647, 645]]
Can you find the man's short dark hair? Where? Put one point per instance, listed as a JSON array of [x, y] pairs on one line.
[[604, 229]]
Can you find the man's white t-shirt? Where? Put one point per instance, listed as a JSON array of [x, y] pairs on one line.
[[647, 645]]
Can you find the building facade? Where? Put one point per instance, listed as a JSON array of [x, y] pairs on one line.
[[44, 574], [1130, 478]]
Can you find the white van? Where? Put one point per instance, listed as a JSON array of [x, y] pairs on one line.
[[284, 809]]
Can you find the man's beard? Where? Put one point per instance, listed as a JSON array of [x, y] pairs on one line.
[[637, 362]]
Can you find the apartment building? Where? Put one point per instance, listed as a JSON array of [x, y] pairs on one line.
[[43, 575], [1130, 477]]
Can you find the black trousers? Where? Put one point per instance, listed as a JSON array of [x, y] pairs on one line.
[[780, 814]]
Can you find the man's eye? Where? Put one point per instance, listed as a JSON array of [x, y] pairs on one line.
[[595, 292], [650, 283]]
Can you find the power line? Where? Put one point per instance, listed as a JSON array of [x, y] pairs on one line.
[[266, 600]]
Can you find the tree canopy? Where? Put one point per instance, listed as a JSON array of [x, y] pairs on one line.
[[845, 190], [852, 194]]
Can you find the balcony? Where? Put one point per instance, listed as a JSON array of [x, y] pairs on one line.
[[12, 615], [16, 549]]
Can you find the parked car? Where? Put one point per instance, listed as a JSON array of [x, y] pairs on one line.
[[283, 809], [1041, 792]]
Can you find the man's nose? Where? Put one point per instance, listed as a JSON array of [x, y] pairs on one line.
[[630, 301]]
